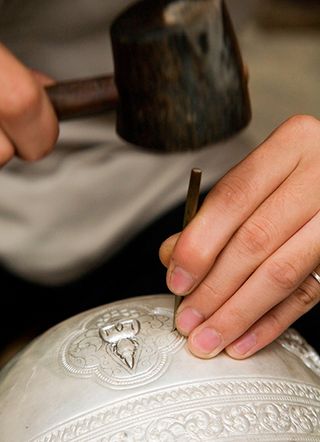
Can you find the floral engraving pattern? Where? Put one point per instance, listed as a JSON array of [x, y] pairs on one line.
[[228, 409], [224, 422], [122, 347]]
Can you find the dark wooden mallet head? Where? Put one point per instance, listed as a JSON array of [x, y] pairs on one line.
[[179, 81]]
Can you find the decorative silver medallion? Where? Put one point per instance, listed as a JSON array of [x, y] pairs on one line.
[[123, 347]]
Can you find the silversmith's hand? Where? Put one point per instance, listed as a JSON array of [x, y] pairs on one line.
[[246, 258], [28, 123]]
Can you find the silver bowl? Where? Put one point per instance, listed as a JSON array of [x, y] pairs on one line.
[[119, 373]]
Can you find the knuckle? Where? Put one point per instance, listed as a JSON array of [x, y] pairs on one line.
[[52, 135], [23, 100], [6, 156], [233, 193], [275, 325], [32, 156], [282, 274], [303, 124], [254, 237], [212, 297], [306, 295], [235, 316], [44, 147]]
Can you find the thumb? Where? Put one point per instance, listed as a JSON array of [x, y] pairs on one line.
[[166, 249]]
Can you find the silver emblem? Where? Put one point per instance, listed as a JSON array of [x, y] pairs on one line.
[[122, 348], [121, 339]]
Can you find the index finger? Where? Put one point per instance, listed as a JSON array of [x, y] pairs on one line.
[[232, 200]]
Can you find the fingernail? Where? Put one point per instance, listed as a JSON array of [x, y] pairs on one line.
[[245, 344], [180, 281], [206, 341], [189, 319]]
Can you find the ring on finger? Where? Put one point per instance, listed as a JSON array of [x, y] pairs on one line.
[[315, 275]]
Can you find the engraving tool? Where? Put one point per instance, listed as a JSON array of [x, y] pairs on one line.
[[190, 210]]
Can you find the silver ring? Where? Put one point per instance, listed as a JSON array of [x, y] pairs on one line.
[[316, 276]]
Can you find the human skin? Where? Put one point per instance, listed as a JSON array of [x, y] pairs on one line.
[[28, 123], [245, 259]]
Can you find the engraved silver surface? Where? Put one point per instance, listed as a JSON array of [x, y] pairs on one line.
[[122, 348], [118, 373]]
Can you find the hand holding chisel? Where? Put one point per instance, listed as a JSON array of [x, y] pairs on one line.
[[189, 212]]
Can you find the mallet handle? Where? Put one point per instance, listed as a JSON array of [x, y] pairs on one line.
[[76, 98]]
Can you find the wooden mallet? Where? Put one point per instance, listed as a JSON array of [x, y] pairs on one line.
[[179, 82]]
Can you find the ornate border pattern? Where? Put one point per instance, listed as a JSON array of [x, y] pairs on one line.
[[226, 409]]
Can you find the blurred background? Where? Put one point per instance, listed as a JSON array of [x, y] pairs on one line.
[[280, 44]]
